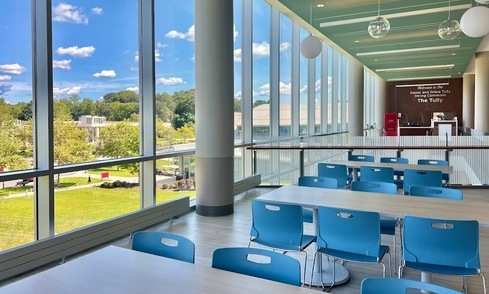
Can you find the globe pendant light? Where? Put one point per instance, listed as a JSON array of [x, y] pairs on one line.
[[380, 26], [450, 28], [311, 46], [475, 22]]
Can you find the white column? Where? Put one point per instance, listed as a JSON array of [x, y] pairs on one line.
[[381, 104], [355, 110], [214, 106], [481, 119], [468, 101]]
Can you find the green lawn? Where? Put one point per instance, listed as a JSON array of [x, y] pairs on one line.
[[65, 182], [73, 209], [113, 171]]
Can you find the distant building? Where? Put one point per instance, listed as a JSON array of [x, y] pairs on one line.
[[92, 124]]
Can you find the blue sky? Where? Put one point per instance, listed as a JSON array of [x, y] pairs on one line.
[[95, 45]]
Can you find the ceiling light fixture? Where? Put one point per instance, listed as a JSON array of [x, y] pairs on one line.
[[409, 50], [380, 26], [415, 68], [311, 46], [419, 78], [449, 29], [475, 21]]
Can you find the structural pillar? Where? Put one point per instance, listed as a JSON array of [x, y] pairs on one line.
[[214, 107], [355, 109], [481, 106], [468, 101], [381, 105]]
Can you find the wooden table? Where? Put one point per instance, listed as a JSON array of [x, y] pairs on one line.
[[114, 270]]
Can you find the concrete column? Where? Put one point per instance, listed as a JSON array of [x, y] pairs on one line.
[[468, 101], [481, 106], [381, 105], [214, 106], [355, 110]]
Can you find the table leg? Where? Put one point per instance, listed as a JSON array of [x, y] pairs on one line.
[[324, 268]]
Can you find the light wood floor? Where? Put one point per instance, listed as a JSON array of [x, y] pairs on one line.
[[211, 233]]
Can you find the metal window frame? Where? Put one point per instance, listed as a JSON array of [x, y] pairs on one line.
[[324, 89], [295, 81]]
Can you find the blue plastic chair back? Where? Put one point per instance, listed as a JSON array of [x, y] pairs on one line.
[[421, 178], [164, 244], [258, 263], [376, 187], [377, 174], [401, 286], [349, 231], [361, 157], [441, 242], [277, 225], [318, 182], [394, 160], [336, 171], [436, 192], [432, 162]]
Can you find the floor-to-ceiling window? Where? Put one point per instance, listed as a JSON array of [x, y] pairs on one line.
[[317, 95], [285, 84], [304, 89], [261, 70]]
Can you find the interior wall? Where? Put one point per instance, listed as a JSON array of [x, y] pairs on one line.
[[417, 100]]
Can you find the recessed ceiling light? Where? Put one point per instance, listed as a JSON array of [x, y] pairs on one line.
[[408, 50], [414, 68], [453, 54], [357, 41], [320, 5], [419, 78]]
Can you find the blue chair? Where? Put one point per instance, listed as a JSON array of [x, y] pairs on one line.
[[445, 177], [399, 174], [377, 174], [387, 225], [279, 226], [445, 247], [349, 235], [421, 178], [400, 286], [336, 171], [164, 244], [436, 192], [360, 157], [258, 263], [317, 182]]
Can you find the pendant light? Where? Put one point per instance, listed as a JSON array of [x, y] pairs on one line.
[[450, 28], [475, 21], [311, 46], [380, 26]]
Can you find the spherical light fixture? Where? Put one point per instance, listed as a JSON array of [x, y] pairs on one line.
[[449, 29], [475, 22], [483, 2], [311, 47], [379, 27]]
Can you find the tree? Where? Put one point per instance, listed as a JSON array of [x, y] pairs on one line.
[[70, 141], [184, 113], [10, 148], [237, 105], [120, 140], [122, 97]]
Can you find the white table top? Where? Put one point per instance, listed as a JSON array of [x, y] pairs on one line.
[[395, 166], [117, 270], [392, 205]]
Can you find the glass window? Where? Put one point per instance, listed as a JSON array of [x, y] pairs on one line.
[[303, 89], [261, 70], [330, 88], [285, 76], [175, 71], [16, 196], [238, 112], [317, 103], [87, 197], [95, 80], [175, 178]]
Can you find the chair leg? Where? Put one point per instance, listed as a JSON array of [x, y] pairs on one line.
[[399, 274], [313, 265], [383, 269], [390, 265], [334, 277], [464, 285], [483, 278], [395, 253], [305, 266]]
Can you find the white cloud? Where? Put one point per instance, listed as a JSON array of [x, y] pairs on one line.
[[284, 88], [261, 49], [12, 69], [4, 78], [67, 91], [75, 51], [157, 55], [134, 89], [189, 35], [62, 64], [105, 74], [97, 10], [284, 46], [64, 12], [171, 81], [237, 55]]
